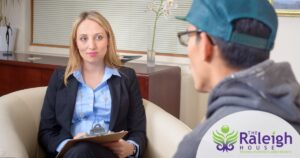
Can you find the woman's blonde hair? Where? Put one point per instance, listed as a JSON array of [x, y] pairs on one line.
[[75, 61]]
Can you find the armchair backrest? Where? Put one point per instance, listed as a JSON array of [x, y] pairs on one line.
[[20, 116]]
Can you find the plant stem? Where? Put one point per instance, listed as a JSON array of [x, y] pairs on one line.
[[155, 23]]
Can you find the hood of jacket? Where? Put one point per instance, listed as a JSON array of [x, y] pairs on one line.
[[268, 86]]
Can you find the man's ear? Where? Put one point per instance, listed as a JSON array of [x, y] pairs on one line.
[[207, 47]]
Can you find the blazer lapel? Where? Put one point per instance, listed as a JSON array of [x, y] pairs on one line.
[[115, 91], [71, 91]]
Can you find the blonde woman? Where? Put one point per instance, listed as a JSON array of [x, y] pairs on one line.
[[93, 92]]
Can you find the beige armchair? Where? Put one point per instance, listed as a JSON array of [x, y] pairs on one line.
[[19, 120]]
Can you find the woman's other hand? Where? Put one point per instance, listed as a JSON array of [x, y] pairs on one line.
[[121, 148]]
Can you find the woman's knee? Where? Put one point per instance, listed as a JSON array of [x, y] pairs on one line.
[[89, 150]]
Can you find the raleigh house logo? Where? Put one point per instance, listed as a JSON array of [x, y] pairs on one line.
[[225, 139], [256, 141], [250, 141], [250, 134]]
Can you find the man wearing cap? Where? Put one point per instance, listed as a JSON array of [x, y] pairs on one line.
[[229, 44]]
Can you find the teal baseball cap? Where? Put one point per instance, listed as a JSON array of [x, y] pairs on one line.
[[216, 17]]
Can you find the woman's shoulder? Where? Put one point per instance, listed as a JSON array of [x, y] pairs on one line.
[[59, 72], [58, 75], [127, 72]]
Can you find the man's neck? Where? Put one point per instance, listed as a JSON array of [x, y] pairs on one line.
[[220, 72]]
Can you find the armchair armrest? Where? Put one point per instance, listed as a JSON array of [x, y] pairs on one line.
[[164, 131], [19, 118]]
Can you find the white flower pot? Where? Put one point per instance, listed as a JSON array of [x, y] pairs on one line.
[[12, 39]]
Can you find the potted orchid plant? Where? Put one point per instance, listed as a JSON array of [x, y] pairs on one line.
[[160, 8]]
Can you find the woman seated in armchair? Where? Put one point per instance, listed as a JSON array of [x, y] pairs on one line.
[[93, 91]]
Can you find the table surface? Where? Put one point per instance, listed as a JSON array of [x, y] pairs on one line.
[[62, 61]]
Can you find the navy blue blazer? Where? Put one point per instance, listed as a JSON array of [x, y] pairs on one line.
[[127, 112]]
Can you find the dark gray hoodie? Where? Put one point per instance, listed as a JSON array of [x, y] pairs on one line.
[[268, 86]]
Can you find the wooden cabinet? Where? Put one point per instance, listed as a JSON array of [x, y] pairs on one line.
[[160, 84], [17, 72]]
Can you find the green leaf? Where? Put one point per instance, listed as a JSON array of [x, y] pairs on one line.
[[217, 138], [232, 138]]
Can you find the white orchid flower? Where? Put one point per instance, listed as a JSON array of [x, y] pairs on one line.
[[162, 7]]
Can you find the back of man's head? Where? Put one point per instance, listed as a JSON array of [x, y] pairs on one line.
[[241, 56], [244, 30]]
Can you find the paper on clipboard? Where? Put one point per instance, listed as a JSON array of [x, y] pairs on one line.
[[110, 137]]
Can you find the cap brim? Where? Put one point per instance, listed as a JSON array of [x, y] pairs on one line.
[[183, 18]]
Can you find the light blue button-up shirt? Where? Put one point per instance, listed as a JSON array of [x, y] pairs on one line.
[[92, 106]]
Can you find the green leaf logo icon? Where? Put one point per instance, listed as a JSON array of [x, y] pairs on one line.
[[225, 139]]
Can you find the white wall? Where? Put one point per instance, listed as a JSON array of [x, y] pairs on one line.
[[192, 104], [287, 46]]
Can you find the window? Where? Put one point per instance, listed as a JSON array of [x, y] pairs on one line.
[[130, 20]]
